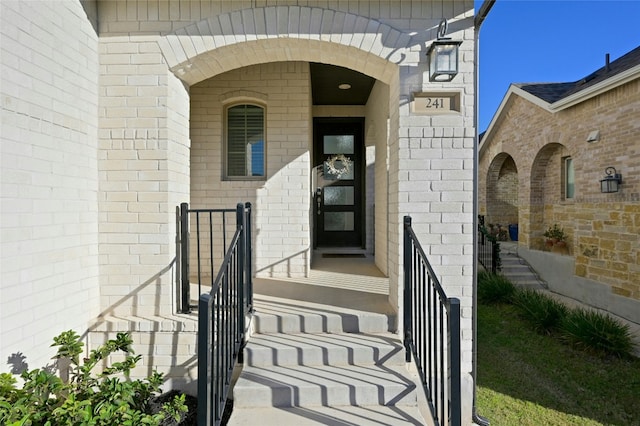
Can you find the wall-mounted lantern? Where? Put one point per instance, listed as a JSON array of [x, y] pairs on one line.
[[443, 56], [611, 182]]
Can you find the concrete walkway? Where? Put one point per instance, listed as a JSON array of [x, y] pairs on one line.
[[517, 270]]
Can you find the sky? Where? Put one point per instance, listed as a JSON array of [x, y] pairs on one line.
[[550, 41]]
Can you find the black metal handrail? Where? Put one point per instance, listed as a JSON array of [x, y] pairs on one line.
[[206, 231], [488, 248], [432, 333], [221, 322]]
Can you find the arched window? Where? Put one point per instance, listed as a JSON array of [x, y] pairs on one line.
[[245, 142]]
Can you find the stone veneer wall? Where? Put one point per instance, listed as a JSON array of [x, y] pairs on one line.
[[603, 229]]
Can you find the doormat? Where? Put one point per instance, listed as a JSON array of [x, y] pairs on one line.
[[347, 255]]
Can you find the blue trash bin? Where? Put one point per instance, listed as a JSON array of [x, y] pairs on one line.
[[513, 232]]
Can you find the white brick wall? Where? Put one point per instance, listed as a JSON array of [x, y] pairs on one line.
[[144, 175], [377, 134], [281, 203], [155, 58], [49, 180]]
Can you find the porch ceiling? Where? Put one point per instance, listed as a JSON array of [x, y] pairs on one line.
[[325, 82]]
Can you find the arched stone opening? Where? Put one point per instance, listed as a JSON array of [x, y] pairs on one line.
[[544, 192], [502, 191]]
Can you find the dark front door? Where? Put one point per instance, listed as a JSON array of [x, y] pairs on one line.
[[338, 164]]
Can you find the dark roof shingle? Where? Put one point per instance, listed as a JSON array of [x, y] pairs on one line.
[[553, 92]]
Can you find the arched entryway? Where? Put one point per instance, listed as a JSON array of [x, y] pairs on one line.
[[502, 195], [546, 192], [283, 192], [277, 75]]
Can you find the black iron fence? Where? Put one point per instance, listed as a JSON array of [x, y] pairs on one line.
[[432, 333], [488, 248], [223, 309], [204, 236]]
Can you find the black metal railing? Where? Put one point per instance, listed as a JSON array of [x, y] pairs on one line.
[[221, 322], [431, 333], [203, 235], [488, 248]]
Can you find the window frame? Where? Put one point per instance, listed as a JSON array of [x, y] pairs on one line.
[[225, 138], [568, 167]]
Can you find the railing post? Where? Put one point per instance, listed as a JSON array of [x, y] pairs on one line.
[[408, 326], [436, 350], [184, 258], [454, 362], [494, 257], [249, 258], [205, 398], [242, 227]]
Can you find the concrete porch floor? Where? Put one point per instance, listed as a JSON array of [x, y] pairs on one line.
[[348, 282]]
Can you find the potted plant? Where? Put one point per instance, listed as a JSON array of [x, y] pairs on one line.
[[556, 239], [498, 231]]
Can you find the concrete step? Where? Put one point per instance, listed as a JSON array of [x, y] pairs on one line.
[[323, 356], [520, 273], [524, 281], [271, 318], [335, 386], [331, 416], [323, 349], [513, 263]]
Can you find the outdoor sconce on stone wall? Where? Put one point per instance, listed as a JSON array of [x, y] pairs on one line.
[[611, 182], [443, 56]]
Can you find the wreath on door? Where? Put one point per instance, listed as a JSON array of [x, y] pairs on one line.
[[345, 164]]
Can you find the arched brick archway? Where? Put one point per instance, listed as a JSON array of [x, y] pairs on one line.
[[543, 181], [254, 36], [502, 191], [251, 38]]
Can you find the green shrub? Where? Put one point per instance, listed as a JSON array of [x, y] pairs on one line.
[[88, 398], [483, 276], [541, 311], [597, 332], [493, 288]]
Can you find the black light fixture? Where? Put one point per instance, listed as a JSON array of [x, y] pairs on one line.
[[443, 56], [611, 182]]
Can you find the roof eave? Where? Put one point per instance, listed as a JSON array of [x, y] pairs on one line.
[[597, 89], [581, 96], [513, 90]]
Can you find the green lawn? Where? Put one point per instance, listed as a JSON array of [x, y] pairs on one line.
[[526, 378]]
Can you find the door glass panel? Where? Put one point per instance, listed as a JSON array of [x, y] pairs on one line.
[[338, 195], [338, 169], [338, 144], [338, 221]]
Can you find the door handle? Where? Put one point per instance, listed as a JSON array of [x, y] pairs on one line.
[[318, 200]]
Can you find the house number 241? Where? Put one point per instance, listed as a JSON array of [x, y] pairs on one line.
[[435, 103]]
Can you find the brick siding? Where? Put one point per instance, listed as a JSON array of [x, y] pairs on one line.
[[49, 180], [603, 229], [144, 139]]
